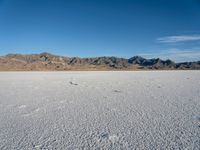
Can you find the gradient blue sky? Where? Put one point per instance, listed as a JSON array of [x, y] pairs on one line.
[[87, 28]]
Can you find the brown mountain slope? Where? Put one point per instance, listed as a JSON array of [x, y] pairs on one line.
[[46, 61]]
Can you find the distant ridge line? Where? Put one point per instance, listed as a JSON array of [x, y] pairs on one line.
[[46, 61]]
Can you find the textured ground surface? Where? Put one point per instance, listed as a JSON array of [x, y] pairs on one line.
[[91, 110]]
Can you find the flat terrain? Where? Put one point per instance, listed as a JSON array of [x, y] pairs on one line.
[[100, 110]]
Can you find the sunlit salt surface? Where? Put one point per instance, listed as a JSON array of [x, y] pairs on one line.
[[100, 110]]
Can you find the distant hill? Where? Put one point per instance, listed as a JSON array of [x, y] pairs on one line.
[[50, 62]]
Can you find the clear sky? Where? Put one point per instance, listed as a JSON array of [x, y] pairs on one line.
[[87, 28]]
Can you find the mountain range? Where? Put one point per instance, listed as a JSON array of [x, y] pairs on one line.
[[49, 62]]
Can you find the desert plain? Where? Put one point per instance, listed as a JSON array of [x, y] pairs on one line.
[[100, 110]]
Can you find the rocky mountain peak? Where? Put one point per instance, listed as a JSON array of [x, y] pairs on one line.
[[47, 61]]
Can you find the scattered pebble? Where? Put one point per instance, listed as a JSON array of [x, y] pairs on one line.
[[117, 91], [73, 83], [104, 135]]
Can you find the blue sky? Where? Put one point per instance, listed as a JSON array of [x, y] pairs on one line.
[[87, 28]]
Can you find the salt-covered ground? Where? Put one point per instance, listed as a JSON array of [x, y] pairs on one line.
[[100, 110]]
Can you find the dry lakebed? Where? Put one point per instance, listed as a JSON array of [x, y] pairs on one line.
[[100, 110]]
